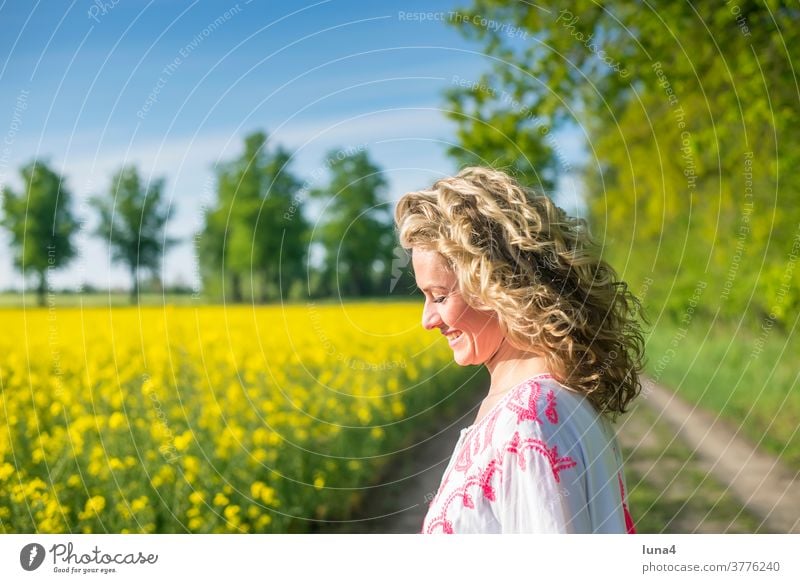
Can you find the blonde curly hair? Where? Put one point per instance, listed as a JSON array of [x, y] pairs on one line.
[[516, 253]]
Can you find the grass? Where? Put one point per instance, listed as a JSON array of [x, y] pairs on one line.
[[749, 377]]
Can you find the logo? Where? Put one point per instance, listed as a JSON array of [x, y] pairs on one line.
[[400, 260], [31, 556]]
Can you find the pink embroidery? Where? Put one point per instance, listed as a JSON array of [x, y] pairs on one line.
[[517, 446], [462, 493], [557, 464], [628, 519], [550, 412], [531, 411], [486, 480], [464, 459], [513, 446], [491, 421]]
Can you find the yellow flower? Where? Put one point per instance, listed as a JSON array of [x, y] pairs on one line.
[[6, 470], [363, 414], [268, 495], [139, 504], [182, 441], [398, 409], [231, 512], [93, 507], [192, 466], [256, 488], [192, 378], [117, 420]]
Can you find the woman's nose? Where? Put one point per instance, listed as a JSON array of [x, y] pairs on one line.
[[430, 317]]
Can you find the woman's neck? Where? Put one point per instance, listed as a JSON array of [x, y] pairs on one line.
[[510, 366]]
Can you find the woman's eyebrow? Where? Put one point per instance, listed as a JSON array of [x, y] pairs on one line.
[[432, 287]]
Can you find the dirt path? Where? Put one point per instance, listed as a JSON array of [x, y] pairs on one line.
[[399, 504], [686, 472], [754, 479]]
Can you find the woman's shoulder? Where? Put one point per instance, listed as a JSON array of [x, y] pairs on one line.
[[544, 409]]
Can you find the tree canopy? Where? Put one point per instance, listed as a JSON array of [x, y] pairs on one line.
[[689, 120], [40, 222], [133, 217]]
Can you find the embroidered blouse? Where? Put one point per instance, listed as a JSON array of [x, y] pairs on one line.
[[541, 461]]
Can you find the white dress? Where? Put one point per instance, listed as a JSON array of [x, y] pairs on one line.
[[541, 461]]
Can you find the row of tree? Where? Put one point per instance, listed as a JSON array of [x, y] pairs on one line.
[[690, 119], [256, 240]]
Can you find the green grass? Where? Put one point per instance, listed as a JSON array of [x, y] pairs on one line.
[[750, 377]]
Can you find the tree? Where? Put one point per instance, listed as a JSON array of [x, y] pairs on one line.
[[281, 229], [498, 131], [133, 216], [357, 227], [677, 105], [40, 222], [256, 228]]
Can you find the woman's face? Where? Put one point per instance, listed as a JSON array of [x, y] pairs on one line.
[[474, 335]]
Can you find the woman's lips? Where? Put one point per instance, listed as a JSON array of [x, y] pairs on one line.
[[452, 336]]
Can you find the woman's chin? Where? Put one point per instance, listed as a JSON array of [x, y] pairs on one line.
[[461, 360]]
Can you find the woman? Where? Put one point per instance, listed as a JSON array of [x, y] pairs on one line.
[[511, 281]]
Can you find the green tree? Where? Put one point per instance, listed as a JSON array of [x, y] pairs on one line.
[[676, 105], [356, 232], [256, 230], [133, 216], [497, 130], [40, 222]]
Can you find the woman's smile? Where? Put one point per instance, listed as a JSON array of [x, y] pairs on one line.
[[474, 335]]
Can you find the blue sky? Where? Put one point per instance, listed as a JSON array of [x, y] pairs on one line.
[[174, 86]]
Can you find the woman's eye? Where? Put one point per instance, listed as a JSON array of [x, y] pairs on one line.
[[439, 300]]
